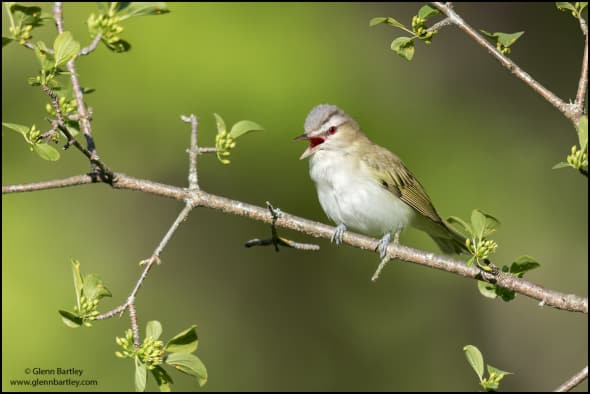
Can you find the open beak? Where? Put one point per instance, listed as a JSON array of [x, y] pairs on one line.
[[313, 143]]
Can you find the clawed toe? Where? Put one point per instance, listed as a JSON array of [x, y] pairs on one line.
[[338, 234]]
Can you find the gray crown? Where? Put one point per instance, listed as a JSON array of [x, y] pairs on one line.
[[320, 114]]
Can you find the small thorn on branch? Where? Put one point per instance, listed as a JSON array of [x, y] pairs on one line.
[[275, 239]]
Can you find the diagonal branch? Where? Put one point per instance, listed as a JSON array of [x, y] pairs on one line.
[[572, 382], [569, 302], [583, 83], [83, 116], [571, 111]]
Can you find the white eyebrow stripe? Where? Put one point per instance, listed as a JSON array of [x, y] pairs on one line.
[[335, 120]]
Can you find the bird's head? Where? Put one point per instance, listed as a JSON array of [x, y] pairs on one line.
[[327, 127]]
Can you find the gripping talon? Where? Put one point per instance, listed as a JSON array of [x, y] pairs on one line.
[[382, 245], [338, 234]]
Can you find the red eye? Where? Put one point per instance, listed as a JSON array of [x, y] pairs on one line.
[[332, 130]]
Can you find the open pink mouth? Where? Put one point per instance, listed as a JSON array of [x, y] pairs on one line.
[[315, 141]]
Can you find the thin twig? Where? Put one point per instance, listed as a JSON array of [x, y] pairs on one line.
[[105, 172], [583, 83], [569, 110], [193, 152], [149, 263], [134, 325], [572, 382], [58, 16], [555, 299], [92, 47], [439, 25], [84, 119], [275, 240], [207, 150], [53, 184], [380, 268]]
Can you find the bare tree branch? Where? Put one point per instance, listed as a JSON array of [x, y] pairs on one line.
[[569, 302], [149, 263], [84, 118], [583, 84], [571, 111], [92, 47], [53, 184], [105, 172], [193, 152], [572, 382]]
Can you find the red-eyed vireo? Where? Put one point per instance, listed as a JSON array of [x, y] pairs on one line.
[[365, 187]]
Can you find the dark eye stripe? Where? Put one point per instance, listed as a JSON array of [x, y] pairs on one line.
[[337, 111]]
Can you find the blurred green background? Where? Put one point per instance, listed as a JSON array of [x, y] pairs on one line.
[[474, 135]]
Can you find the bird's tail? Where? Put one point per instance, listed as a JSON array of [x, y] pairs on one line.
[[452, 242]]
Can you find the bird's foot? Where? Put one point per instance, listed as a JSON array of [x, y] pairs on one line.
[[338, 234], [384, 243]]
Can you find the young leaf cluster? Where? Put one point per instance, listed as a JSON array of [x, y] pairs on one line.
[[226, 141], [578, 157], [89, 290], [106, 22], [64, 49], [495, 375], [152, 354], [482, 225], [404, 46]]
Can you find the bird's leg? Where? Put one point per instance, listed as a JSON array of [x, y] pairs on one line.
[[338, 234], [383, 244], [396, 238]]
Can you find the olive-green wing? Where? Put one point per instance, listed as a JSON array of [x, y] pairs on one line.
[[395, 177]]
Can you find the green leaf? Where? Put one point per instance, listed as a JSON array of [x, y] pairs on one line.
[[427, 11], [45, 58], [389, 21], [78, 282], [583, 132], [94, 287], [504, 39], [154, 329], [403, 46], [140, 375], [65, 48], [507, 39], [119, 46], [184, 342], [478, 223], [495, 371], [563, 6], [189, 364], [163, 380], [27, 15], [244, 127], [561, 164], [377, 20], [523, 264], [487, 289], [461, 225], [393, 22], [6, 41], [492, 382], [46, 152], [220, 124], [475, 359], [143, 8], [505, 294], [19, 128], [70, 319]]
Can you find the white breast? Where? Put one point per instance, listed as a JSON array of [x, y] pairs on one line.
[[349, 196]]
